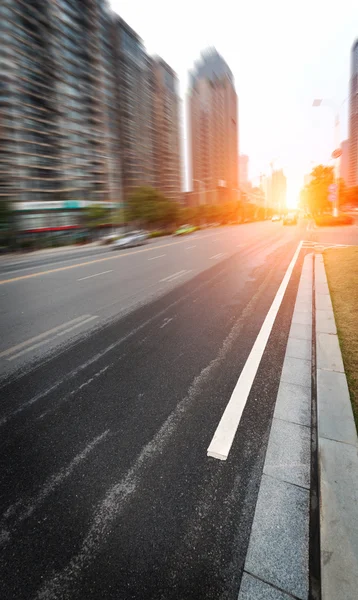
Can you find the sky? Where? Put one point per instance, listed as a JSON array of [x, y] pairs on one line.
[[282, 53]]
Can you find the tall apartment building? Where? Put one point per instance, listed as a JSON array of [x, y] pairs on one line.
[[353, 118], [135, 102], [165, 129], [213, 128], [344, 162], [59, 137]]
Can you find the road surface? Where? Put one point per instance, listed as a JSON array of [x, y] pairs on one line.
[[117, 368]]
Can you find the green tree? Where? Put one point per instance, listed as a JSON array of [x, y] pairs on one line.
[[317, 189], [148, 207], [96, 215]]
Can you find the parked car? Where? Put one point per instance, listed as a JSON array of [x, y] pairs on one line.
[[109, 238], [184, 229], [290, 219], [128, 240], [276, 218]]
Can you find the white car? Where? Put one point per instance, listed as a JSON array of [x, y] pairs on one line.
[[276, 218], [128, 240]]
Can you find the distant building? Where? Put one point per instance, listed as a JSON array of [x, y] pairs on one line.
[[243, 171], [59, 131], [166, 129], [353, 118], [135, 100], [344, 162], [213, 129]]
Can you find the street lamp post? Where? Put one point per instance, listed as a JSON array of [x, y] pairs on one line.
[[336, 153]]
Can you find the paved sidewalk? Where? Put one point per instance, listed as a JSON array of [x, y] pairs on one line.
[[338, 456], [277, 560]]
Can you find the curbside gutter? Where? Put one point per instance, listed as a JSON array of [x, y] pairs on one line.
[[337, 455]]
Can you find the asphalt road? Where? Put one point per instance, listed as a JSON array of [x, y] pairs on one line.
[[106, 490]]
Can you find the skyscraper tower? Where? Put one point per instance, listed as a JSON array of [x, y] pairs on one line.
[[353, 118], [213, 128]]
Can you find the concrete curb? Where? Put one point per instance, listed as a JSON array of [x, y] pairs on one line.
[[277, 560], [337, 455]]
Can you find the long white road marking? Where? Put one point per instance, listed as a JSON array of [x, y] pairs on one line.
[[155, 257], [175, 275], [48, 340], [226, 430], [95, 275], [217, 255], [42, 335]]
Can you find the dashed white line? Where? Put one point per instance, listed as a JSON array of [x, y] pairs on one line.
[[155, 257], [189, 247], [165, 322], [42, 335], [95, 275], [175, 275], [217, 255], [48, 340], [226, 430]]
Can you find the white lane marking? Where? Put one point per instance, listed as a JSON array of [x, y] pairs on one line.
[[189, 247], [175, 275], [226, 430], [42, 335], [155, 257], [165, 322], [217, 255], [47, 341], [95, 275], [27, 506]]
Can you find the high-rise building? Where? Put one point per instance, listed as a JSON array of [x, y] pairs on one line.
[[243, 171], [213, 128], [135, 102], [353, 118], [165, 129], [59, 138]]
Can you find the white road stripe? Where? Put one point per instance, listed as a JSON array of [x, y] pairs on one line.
[[189, 247], [217, 255], [47, 341], [95, 275], [42, 335], [224, 435], [155, 257], [174, 275]]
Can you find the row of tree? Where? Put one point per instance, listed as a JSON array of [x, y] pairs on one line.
[[148, 208], [315, 195]]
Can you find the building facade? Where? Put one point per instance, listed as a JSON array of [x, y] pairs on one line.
[[135, 105], [165, 127], [353, 119], [213, 129], [59, 129], [278, 190]]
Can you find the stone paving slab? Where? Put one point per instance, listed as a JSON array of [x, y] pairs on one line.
[[325, 322], [288, 455], [335, 415], [339, 520], [254, 589], [304, 318], [328, 352], [296, 370], [302, 332], [293, 403], [323, 302], [278, 548], [299, 348]]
